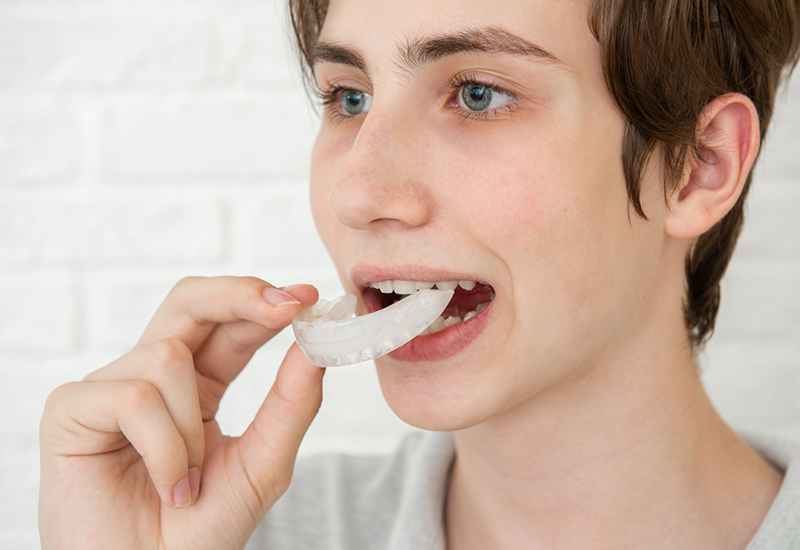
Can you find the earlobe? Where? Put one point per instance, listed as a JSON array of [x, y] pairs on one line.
[[713, 178]]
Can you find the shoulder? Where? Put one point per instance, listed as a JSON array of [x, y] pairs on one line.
[[341, 501], [781, 527]]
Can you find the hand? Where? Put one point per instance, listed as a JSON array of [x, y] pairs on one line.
[[131, 457]]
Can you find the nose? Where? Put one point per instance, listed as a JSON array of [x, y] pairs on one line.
[[382, 182]]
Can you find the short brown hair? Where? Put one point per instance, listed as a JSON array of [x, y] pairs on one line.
[[664, 61]]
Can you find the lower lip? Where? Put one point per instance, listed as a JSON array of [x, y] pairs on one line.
[[443, 344]]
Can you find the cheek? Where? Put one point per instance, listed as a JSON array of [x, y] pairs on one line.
[[544, 205], [558, 218]]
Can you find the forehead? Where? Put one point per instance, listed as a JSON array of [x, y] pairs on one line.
[[398, 31]]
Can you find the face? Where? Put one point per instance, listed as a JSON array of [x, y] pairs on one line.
[[475, 140]]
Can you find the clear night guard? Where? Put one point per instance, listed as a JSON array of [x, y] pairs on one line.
[[330, 336]]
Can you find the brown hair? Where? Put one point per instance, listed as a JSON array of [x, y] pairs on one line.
[[664, 61]]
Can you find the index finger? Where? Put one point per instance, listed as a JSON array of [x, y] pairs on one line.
[[196, 305]]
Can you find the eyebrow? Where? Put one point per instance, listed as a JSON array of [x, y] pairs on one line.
[[488, 40], [418, 52], [332, 53]]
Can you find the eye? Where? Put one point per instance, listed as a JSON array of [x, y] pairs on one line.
[[354, 102], [480, 97]]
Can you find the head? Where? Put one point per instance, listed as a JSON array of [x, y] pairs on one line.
[[599, 189]]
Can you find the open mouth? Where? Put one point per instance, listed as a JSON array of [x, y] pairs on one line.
[[470, 298]]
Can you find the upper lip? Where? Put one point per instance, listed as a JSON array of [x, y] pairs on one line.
[[362, 275]]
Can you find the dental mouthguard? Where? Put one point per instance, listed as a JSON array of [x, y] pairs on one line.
[[329, 335]]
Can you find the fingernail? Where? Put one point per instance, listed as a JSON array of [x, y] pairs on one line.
[[290, 288], [276, 298], [182, 494], [194, 482]]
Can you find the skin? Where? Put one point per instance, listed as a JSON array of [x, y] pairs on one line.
[[117, 448], [580, 419]]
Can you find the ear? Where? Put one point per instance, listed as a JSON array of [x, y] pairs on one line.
[[728, 137]]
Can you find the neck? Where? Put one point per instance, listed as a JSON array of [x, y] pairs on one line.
[[629, 454]]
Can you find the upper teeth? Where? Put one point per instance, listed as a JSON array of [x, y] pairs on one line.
[[409, 287], [441, 323]]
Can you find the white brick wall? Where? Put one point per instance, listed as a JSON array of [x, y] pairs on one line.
[[141, 141], [38, 139], [206, 136], [39, 314], [127, 228]]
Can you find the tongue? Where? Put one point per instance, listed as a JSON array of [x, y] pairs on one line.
[[464, 301]]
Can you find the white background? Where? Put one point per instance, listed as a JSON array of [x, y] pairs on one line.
[[142, 141]]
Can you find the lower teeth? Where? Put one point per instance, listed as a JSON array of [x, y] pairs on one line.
[[441, 323]]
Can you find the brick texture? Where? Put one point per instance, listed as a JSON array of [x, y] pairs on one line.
[[39, 313], [131, 231], [205, 138], [109, 45], [38, 140], [144, 141]]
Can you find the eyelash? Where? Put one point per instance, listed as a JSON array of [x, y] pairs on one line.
[[331, 96], [459, 81]]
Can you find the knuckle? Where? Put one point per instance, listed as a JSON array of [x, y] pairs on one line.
[[57, 394], [170, 354], [138, 395], [186, 281], [184, 286], [243, 344], [281, 484], [194, 437], [249, 284], [166, 455]]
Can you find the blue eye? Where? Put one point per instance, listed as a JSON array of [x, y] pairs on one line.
[[480, 97], [355, 102], [476, 96]]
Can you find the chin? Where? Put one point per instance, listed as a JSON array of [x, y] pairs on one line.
[[439, 398]]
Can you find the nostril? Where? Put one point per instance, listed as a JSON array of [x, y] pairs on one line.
[[379, 204]]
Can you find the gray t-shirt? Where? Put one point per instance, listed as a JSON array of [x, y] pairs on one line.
[[396, 502]]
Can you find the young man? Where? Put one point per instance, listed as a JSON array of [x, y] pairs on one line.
[[580, 167]]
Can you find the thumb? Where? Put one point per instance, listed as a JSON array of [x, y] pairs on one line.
[[269, 445]]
